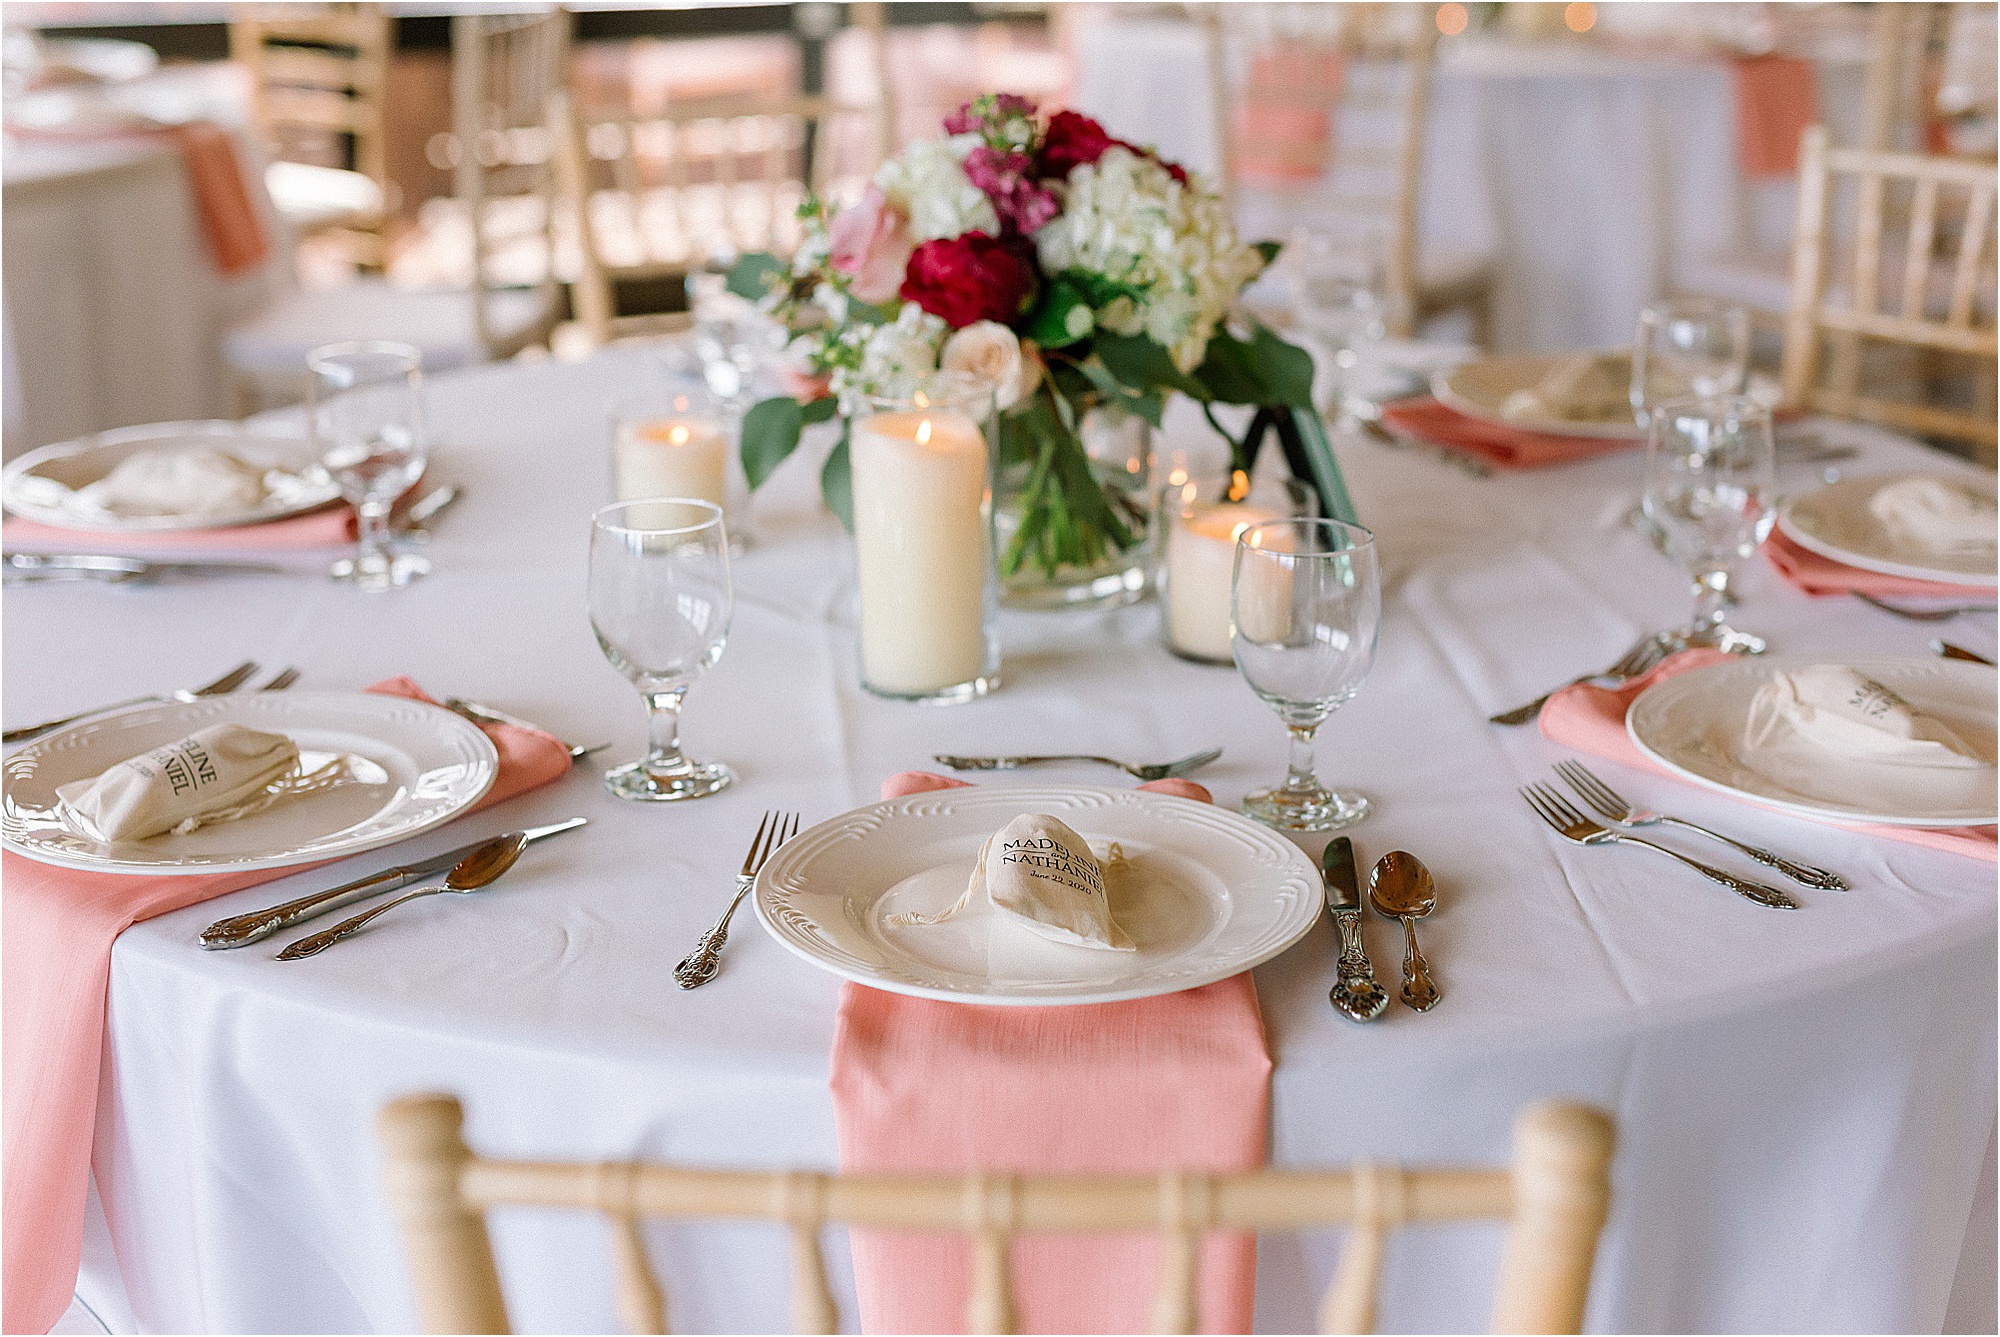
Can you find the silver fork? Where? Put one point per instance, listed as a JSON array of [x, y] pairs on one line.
[[228, 682], [1646, 652], [484, 714], [1924, 614], [1616, 810], [1572, 825], [281, 680], [1165, 770], [699, 967]]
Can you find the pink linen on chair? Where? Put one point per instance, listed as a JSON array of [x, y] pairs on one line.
[[1497, 444], [1283, 130], [1777, 97], [329, 527], [1181, 1080], [1592, 719], [1824, 578], [59, 924]]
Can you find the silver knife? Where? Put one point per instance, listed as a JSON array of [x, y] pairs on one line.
[[1355, 994], [241, 930], [93, 566]]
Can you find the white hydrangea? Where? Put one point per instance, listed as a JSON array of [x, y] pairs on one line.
[[894, 357], [927, 182], [1127, 219]]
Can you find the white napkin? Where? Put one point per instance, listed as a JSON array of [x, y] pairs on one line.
[[1038, 870], [1935, 515], [1831, 713], [214, 775], [200, 481], [1581, 387]]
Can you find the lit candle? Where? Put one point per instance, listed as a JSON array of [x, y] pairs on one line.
[[1201, 556], [670, 457], [920, 487]]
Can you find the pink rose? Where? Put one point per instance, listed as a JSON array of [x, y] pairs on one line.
[[870, 243]]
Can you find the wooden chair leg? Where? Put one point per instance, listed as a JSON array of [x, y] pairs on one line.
[[451, 1258], [1562, 1194]]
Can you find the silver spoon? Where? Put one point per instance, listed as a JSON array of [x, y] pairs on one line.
[[1401, 888], [474, 871]]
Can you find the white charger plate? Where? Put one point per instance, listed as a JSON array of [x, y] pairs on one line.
[[421, 765], [1692, 724], [1835, 522], [51, 485], [1480, 390], [1210, 894]]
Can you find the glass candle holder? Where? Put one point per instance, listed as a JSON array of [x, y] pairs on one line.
[[1197, 522], [677, 440], [923, 534]]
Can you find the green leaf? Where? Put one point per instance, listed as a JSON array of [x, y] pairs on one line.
[[1287, 370], [1324, 468], [1142, 365], [836, 482], [820, 410], [1147, 404], [1262, 369], [1268, 249], [770, 434], [757, 274], [1062, 317]]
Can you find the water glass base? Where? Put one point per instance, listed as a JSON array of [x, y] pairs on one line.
[[1291, 810], [384, 573], [956, 694], [1726, 639], [694, 779]]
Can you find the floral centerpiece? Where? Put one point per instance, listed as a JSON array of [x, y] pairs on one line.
[[1072, 272]]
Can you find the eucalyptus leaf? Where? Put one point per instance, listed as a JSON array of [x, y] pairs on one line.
[[770, 434], [758, 274], [836, 481]]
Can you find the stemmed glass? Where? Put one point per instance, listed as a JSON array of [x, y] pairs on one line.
[[1305, 608], [731, 336], [660, 604], [1337, 296], [1692, 347], [368, 424], [1710, 494]]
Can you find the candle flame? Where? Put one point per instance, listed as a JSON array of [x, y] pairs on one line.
[[678, 435], [1177, 477], [1238, 531], [924, 431], [922, 400], [1239, 485]]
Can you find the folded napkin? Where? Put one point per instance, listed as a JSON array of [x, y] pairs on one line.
[[1822, 577], [1282, 129], [1777, 97], [927, 1086], [1831, 710], [1044, 875], [329, 527], [1582, 387], [202, 482], [55, 963], [1592, 719], [182, 785], [1497, 444], [1935, 516]]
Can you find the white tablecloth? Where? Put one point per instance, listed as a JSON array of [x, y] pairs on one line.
[[1804, 1100], [1588, 175]]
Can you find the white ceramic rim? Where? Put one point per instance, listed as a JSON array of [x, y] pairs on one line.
[[1805, 538]]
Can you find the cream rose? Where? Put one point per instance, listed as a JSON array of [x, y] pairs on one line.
[[988, 350]]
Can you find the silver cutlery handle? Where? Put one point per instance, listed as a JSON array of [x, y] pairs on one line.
[[239, 930], [700, 965], [1805, 874], [37, 730], [1753, 891], [1355, 993], [318, 942], [1420, 991], [1009, 763]]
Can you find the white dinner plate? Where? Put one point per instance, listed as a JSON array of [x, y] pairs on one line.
[[419, 765], [1835, 522], [1693, 723], [1480, 390], [54, 485], [1209, 894]]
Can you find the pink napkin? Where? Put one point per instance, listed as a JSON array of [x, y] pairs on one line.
[[1134, 1087], [59, 927], [1592, 719], [1822, 577], [1497, 444], [1776, 99], [328, 527], [1283, 130]]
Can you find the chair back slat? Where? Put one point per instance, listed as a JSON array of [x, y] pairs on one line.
[[1562, 1195], [1971, 251], [1187, 1207]]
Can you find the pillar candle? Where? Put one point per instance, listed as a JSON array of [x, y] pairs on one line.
[[920, 486], [1201, 555], [670, 457]]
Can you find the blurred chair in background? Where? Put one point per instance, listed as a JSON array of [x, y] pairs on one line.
[[506, 70], [1886, 314]]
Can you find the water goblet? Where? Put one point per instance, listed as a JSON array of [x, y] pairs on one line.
[[1339, 302], [660, 605], [368, 426], [1692, 347], [1305, 610], [731, 336], [1711, 496]]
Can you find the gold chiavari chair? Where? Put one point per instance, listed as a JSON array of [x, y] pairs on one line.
[[1554, 1197], [1935, 297]]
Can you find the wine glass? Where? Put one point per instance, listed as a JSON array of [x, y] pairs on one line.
[[660, 604], [1710, 494], [1305, 609], [1695, 347], [731, 336], [1338, 300], [367, 417]]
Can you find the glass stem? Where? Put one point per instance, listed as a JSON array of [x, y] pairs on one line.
[[1711, 599], [374, 528], [663, 730], [1299, 776]]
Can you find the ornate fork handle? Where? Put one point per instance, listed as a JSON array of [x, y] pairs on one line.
[[1010, 763], [700, 965], [1753, 891], [1804, 874]]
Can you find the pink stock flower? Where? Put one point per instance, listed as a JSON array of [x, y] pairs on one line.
[[869, 241], [988, 107], [1008, 179]]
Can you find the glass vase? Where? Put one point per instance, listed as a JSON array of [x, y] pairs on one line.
[[1076, 552]]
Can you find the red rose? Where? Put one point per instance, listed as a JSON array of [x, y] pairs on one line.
[[1071, 140], [969, 278]]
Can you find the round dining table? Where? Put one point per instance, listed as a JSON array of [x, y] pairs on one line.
[[1805, 1101]]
